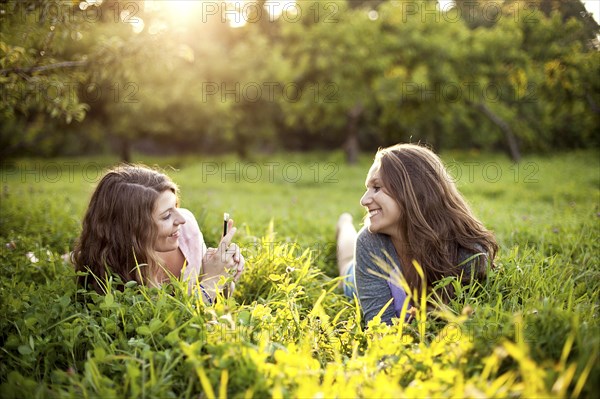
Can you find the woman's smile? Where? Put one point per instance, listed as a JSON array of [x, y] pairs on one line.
[[374, 212]]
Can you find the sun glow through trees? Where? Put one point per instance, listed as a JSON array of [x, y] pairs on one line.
[[236, 13]]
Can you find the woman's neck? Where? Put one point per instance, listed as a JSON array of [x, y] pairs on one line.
[[172, 263]]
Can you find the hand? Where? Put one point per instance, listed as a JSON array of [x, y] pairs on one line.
[[238, 258], [222, 261]]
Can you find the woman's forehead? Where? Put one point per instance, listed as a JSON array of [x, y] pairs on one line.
[[165, 201], [374, 173]]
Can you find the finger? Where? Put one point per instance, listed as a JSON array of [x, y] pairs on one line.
[[241, 264], [237, 254], [238, 257], [229, 226], [227, 259], [238, 273], [230, 254], [226, 241], [237, 277], [233, 248]]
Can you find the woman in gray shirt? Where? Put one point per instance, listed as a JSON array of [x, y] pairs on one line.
[[415, 213]]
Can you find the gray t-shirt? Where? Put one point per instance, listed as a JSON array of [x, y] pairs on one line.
[[372, 280]]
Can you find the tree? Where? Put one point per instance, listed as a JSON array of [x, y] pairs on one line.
[[456, 84], [515, 75], [336, 58], [49, 52]]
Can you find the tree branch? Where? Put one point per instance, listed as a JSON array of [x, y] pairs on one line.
[[29, 71], [513, 146]]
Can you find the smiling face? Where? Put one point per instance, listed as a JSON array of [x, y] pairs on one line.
[[384, 211], [168, 220]]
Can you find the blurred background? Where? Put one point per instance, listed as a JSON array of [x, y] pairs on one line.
[[259, 77]]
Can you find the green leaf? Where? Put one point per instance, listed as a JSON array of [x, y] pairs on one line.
[[155, 324], [172, 337], [244, 317], [64, 301], [31, 321], [99, 354], [109, 299], [25, 350], [131, 284], [143, 330]]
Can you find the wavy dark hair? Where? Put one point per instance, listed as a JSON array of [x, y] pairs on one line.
[[436, 221], [118, 232]]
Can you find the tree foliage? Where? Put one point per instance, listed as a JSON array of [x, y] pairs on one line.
[[79, 76]]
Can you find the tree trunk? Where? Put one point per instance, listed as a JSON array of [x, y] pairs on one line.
[[513, 145], [125, 150], [595, 108], [241, 146], [351, 146]]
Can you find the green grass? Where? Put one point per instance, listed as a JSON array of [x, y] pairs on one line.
[[531, 330]]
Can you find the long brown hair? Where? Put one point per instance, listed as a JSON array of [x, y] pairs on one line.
[[119, 233], [436, 221]]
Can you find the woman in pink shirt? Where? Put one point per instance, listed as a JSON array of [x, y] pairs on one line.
[[135, 229]]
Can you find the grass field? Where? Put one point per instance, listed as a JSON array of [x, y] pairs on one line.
[[531, 330]]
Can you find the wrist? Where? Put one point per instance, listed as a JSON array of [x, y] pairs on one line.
[[206, 296], [211, 289], [209, 284]]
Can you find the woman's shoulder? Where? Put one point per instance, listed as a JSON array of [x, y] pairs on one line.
[[190, 227], [368, 238], [187, 214], [374, 242]]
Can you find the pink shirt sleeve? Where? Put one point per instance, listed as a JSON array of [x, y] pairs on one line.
[[193, 247]]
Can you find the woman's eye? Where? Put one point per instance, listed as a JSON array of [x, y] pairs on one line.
[[167, 217], [376, 188]]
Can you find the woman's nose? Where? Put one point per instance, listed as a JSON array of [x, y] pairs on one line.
[[366, 198]]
